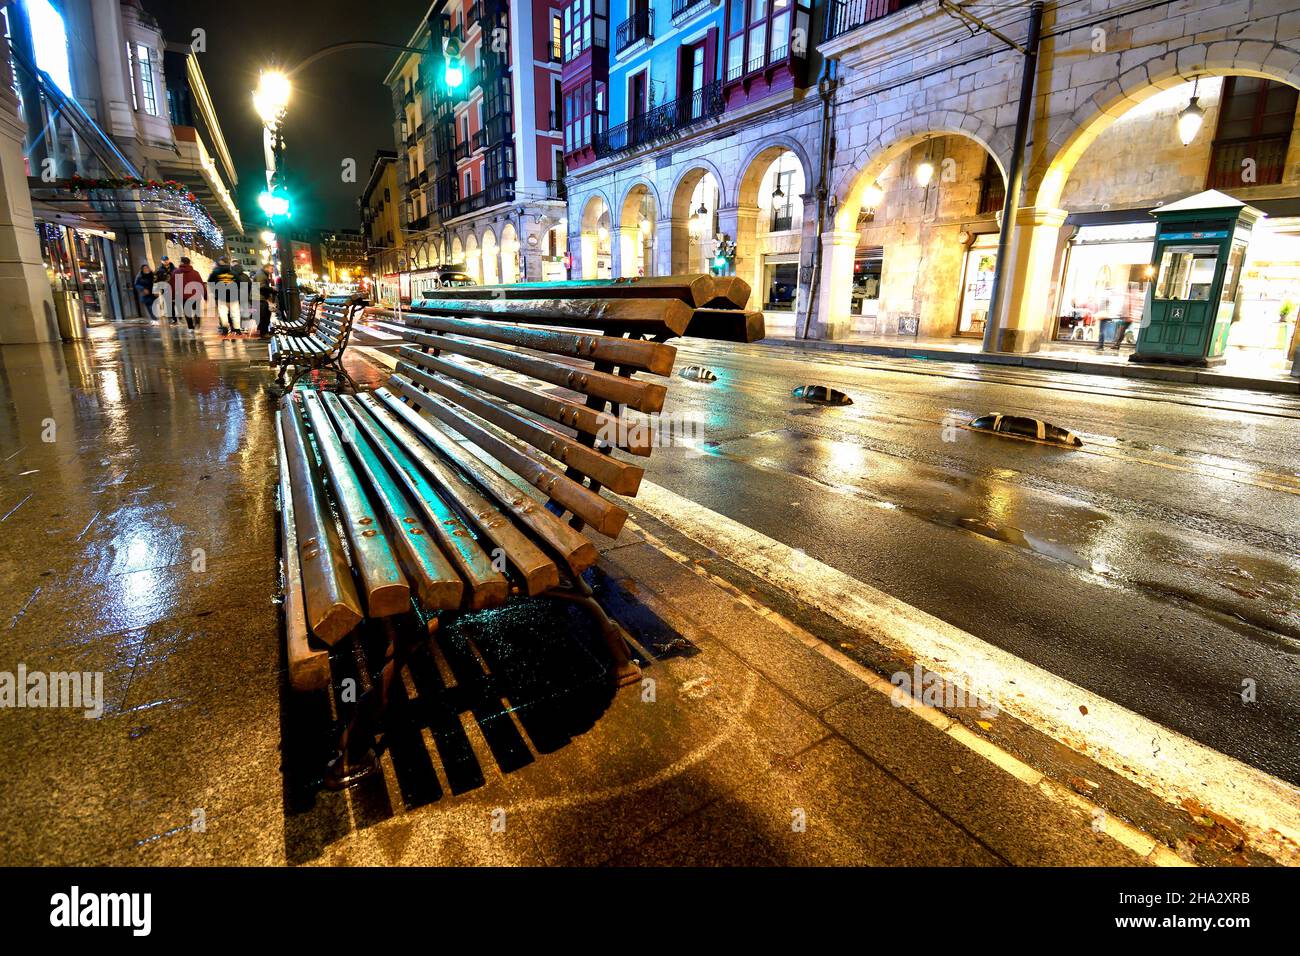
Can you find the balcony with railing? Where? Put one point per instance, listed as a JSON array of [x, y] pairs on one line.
[[553, 119], [555, 189], [782, 218], [1228, 161], [662, 121], [845, 15], [491, 195], [460, 151], [639, 25], [479, 140], [680, 7]]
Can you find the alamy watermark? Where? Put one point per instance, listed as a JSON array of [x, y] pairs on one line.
[[660, 430], [939, 690], [78, 690]]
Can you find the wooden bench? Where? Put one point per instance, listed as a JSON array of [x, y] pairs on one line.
[[306, 319], [469, 480], [322, 348]]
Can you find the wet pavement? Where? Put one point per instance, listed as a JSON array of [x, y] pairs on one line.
[[1157, 566], [138, 518]]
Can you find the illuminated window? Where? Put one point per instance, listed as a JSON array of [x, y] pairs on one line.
[[144, 58]]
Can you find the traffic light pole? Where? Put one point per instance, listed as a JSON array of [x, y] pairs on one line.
[[289, 299]]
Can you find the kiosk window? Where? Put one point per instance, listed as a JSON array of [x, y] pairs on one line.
[[1187, 272]]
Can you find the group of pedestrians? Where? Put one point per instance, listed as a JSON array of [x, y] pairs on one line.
[[179, 291]]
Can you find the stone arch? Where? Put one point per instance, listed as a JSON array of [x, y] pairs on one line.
[[489, 257], [758, 159], [473, 262], [637, 229], [691, 240], [457, 251], [596, 249], [870, 161], [1070, 136], [510, 253], [690, 176]]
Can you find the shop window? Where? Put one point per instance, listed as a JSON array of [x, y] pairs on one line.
[[1253, 133], [866, 282], [782, 281]]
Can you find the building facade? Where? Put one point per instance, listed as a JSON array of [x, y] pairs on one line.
[[110, 160], [924, 122], [381, 224], [343, 255], [692, 129], [479, 157]]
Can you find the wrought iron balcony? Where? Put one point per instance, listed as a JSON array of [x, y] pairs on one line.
[[640, 25], [681, 6], [661, 121], [845, 15], [555, 189]]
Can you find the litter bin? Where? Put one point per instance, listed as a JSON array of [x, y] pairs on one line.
[[70, 315]]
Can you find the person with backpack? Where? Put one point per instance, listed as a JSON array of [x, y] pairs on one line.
[[226, 292]]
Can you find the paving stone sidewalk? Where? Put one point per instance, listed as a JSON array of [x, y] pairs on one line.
[[140, 543]]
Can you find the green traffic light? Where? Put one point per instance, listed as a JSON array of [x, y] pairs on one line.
[[454, 76], [273, 204]]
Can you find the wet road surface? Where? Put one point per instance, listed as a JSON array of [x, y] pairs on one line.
[[1157, 566]]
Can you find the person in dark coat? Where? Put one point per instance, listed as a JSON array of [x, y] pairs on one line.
[[268, 295], [144, 280]]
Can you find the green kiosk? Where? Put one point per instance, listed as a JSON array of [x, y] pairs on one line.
[[1199, 250]]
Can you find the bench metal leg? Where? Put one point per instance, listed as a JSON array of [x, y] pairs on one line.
[[355, 759], [626, 670]]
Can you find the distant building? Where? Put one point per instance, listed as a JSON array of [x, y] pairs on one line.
[[247, 249], [343, 254], [480, 164], [382, 227]]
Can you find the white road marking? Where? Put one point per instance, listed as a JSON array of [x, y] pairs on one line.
[[1172, 766]]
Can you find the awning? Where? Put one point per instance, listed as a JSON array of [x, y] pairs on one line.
[[127, 209]]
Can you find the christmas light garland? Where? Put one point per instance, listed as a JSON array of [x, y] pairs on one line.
[[164, 191]]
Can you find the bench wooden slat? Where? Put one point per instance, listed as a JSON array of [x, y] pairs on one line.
[[726, 325], [654, 357], [696, 290], [573, 414], [309, 667], [601, 513], [330, 596], [487, 586], [538, 571], [570, 544], [438, 585], [643, 396], [386, 589], [664, 316], [620, 477]]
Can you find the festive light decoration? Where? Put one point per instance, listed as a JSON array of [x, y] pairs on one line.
[[166, 192]]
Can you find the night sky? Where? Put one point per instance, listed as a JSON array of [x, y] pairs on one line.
[[340, 107]]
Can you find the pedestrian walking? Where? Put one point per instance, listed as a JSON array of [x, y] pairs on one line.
[[162, 278], [268, 296], [1110, 312], [243, 295], [188, 293], [226, 293], [144, 282]]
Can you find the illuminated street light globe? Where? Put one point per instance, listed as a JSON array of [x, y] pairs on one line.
[[271, 98], [924, 173], [1189, 121]]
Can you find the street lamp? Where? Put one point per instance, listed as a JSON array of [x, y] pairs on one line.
[[924, 173], [1190, 119], [271, 101], [271, 98]]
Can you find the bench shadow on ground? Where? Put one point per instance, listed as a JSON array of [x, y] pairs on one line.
[[507, 686]]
